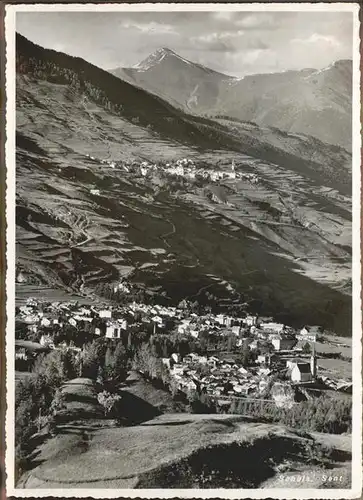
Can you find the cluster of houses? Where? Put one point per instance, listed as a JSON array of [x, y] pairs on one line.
[[272, 347], [187, 169], [184, 167], [217, 376]]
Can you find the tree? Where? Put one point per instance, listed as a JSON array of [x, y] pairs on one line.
[[306, 348], [116, 363], [58, 404], [109, 402], [246, 356], [93, 356]]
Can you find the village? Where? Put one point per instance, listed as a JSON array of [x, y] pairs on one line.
[[184, 168], [227, 356]]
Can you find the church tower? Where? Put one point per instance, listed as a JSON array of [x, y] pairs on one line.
[[313, 367]]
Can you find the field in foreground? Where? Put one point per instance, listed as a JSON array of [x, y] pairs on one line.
[[184, 451]]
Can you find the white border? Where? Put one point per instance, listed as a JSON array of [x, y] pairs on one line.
[[176, 7], [356, 489]]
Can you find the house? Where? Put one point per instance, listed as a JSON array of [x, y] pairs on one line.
[[113, 331], [158, 320], [264, 372], [178, 369], [230, 175], [78, 317], [215, 175], [122, 323], [228, 321], [281, 343], [20, 353], [178, 170], [121, 287], [237, 330], [272, 327], [220, 318], [45, 322], [301, 372], [251, 320], [264, 359], [202, 360], [308, 334], [242, 370], [105, 313]]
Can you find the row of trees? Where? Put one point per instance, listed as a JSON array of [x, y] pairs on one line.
[[102, 360], [323, 414], [38, 399]]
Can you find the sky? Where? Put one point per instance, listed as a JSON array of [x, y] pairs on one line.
[[235, 43]]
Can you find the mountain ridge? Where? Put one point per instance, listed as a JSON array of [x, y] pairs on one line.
[[168, 51], [297, 101]]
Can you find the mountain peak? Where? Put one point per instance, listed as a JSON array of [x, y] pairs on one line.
[[154, 58], [166, 50]]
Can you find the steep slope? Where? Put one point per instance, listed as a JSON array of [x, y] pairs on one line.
[[191, 86], [294, 101], [103, 88], [312, 102], [282, 244]]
